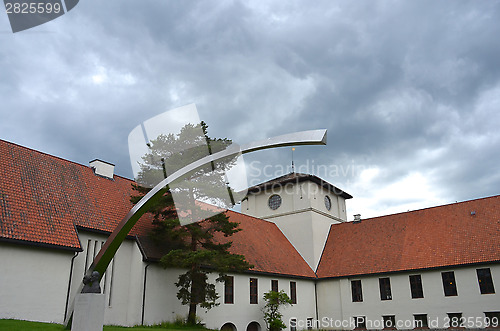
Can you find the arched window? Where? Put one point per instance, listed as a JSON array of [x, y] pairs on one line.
[[254, 326], [228, 327]]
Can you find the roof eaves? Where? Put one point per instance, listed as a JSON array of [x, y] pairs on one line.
[[298, 178], [410, 270], [40, 244], [323, 250], [99, 231], [145, 257], [274, 274], [430, 208]]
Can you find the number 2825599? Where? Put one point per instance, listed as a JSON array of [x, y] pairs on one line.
[[32, 8]]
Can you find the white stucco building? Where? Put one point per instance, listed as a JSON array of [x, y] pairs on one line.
[[427, 267]]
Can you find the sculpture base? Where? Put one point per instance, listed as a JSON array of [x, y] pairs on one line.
[[89, 312]]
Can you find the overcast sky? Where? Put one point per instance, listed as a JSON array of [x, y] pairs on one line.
[[408, 90]]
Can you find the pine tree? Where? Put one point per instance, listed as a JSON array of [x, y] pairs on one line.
[[194, 247]]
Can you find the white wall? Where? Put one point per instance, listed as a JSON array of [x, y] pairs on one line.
[[335, 300], [161, 300], [33, 282], [163, 305], [295, 198], [242, 313], [122, 283], [302, 217]]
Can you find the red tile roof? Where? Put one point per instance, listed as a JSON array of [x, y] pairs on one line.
[[261, 242], [266, 247], [456, 234], [43, 198]]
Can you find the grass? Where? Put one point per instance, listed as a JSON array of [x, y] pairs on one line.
[[16, 325], [28, 326]]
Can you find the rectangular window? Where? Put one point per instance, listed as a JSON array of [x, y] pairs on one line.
[[229, 289], [385, 288], [293, 324], [455, 320], [253, 291], [360, 322], [492, 319], [485, 281], [357, 293], [416, 288], [96, 243], [310, 323], [104, 279], [449, 284], [112, 276], [420, 321], [293, 292], [274, 285], [389, 322], [87, 256]]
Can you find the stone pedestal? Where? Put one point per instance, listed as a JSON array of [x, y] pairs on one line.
[[89, 312]]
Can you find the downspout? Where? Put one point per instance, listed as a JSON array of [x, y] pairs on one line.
[[69, 284], [316, 300], [144, 293], [341, 300]]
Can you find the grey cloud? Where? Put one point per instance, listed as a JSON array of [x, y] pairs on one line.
[[399, 85]]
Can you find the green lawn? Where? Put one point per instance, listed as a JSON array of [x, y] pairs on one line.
[[15, 325]]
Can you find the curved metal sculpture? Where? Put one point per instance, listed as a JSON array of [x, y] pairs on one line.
[[109, 249]]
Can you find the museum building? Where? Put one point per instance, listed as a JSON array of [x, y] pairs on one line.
[[425, 268]]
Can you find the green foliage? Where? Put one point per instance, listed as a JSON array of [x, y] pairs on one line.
[[275, 301], [193, 247], [17, 325], [10, 325]]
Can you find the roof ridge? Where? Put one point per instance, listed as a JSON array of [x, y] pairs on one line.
[[427, 208], [298, 177], [276, 227], [249, 216], [56, 157]]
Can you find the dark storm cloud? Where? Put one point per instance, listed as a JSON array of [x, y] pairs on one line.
[[400, 80], [407, 90]]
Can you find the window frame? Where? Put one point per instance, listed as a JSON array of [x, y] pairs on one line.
[[229, 290], [328, 203], [254, 291], [416, 286], [392, 319], [274, 285], [449, 284], [309, 323], [293, 292], [455, 320], [485, 281], [274, 201], [385, 288], [489, 315], [356, 291], [425, 321], [359, 322]]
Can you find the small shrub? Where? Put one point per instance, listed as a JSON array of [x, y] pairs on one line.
[[272, 315]]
